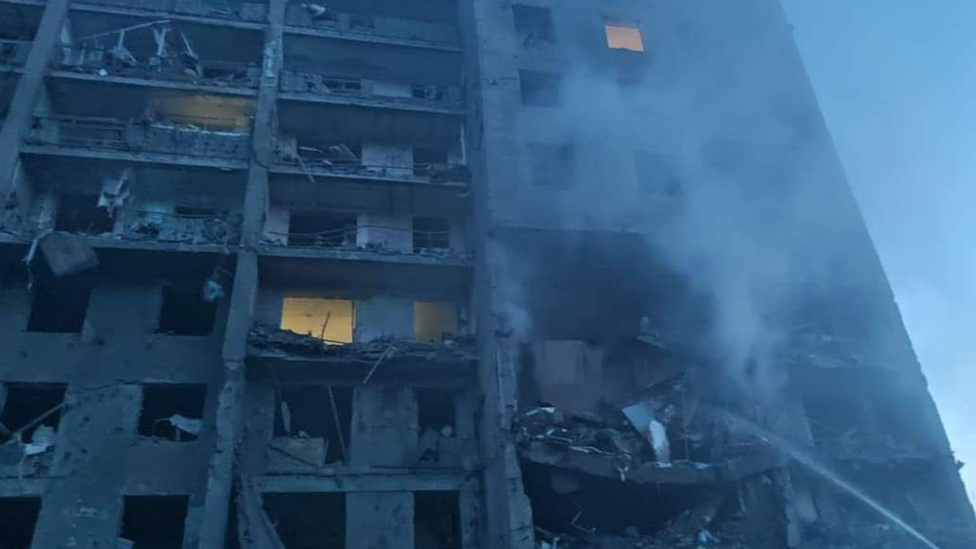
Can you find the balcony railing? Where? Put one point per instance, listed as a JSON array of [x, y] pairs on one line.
[[394, 240], [339, 160], [324, 85], [155, 137], [253, 12], [320, 16], [105, 62]]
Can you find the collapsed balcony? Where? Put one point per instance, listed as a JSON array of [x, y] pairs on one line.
[[313, 86], [160, 51], [297, 356], [168, 138]]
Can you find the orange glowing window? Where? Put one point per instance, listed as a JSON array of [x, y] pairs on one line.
[[620, 37]]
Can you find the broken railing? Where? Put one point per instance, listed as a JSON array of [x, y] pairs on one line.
[[221, 9], [216, 228], [14, 52], [268, 341], [156, 137], [316, 84], [339, 160], [178, 67]]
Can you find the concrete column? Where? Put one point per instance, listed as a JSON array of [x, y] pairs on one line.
[[28, 90], [220, 473], [262, 135]]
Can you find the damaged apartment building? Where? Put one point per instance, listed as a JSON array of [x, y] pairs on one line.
[[383, 273]]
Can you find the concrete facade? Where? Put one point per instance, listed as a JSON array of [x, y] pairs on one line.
[[442, 275]]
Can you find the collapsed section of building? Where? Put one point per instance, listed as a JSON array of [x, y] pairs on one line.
[[444, 274]]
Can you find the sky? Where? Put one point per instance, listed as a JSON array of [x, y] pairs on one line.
[[896, 83]]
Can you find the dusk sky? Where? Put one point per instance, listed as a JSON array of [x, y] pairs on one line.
[[896, 84]]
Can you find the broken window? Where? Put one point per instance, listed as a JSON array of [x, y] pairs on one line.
[[26, 408], [533, 23], [18, 517], [657, 173], [184, 310], [316, 412], [436, 410], [59, 306], [622, 36], [330, 320], [431, 233], [551, 165], [436, 520], [200, 213], [81, 214], [313, 520], [154, 522], [433, 319], [428, 160], [321, 229], [539, 89], [172, 411]]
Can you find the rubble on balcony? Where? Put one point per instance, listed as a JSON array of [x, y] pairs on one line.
[[173, 59], [182, 228], [271, 341], [145, 136], [396, 94], [340, 159]]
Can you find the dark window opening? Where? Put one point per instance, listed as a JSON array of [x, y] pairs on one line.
[[436, 410], [154, 522], [551, 165], [308, 520], [657, 173], [321, 229], [833, 417], [431, 233], [539, 89], [81, 214], [28, 406], [436, 520], [185, 311], [533, 24], [428, 160], [307, 412], [59, 306], [172, 411], [18, 517]]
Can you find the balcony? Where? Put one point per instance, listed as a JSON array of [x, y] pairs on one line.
[[370, 162], [344, 90], [320, 19], [244, 12], [166, 142]]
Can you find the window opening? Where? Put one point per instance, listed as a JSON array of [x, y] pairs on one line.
[[533, 24], [172, 411], [59, 306], [624, 37], [184, 310], [436, 520], [433, 319], [154, 522], [29, 408], [539, 89], [81, 214], [321, 229], [308, 520], [308, 412], [18, 517]]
